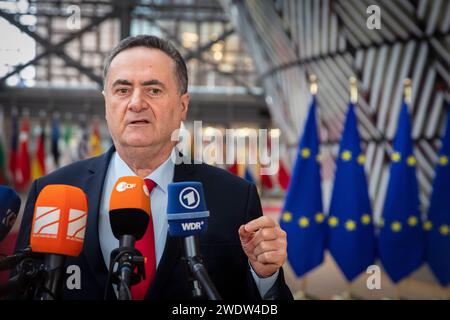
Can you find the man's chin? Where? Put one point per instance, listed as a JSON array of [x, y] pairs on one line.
[[139, 143]]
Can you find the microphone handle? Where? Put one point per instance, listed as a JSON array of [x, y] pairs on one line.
[[53, 282], [201, 274], [125, 268], [199, 271]]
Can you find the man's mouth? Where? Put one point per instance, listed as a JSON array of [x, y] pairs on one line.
[[143, 121]]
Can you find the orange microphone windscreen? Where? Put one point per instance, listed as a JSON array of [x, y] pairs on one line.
[[129, 207], [59, 221]]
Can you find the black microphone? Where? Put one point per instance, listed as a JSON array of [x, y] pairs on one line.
[[187, 218], [9, 210], [129, 215]]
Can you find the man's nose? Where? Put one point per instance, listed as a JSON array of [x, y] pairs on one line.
[[137, 102]]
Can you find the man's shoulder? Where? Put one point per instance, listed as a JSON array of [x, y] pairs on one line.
[[218, 175], [73, 171]]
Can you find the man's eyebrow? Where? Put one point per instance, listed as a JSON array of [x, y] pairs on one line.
[[121, 82], [153, 82]]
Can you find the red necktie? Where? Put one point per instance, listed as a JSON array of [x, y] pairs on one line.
[[147, 247]]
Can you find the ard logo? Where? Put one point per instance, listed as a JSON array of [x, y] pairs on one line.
[[189, 198]]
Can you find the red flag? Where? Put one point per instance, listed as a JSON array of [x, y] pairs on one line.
[[23, 171], [283, 176], [233, 169], [266, 181]]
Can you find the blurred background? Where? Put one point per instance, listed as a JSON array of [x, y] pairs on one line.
[[249, 67]]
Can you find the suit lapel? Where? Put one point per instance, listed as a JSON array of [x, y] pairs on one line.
[[172, 250], [94, 188]]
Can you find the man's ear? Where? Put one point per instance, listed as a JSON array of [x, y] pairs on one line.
[[104, 98], [184, 105]]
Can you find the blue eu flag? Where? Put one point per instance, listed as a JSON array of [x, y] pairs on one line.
[[302, 217], [401, 238], [437, 226], [351, 232]]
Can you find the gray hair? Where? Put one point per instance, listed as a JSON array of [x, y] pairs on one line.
[[154, 43]]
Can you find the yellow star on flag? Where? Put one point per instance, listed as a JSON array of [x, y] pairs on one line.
[[305, 152], [333, 221], [346, 155], [365, 219], [443, 160], [395, 157], [444, 230], [412, 221], [427, 225], [396, 226], [303, 222], [411, 161], [287, 216], [361, 159], [350, 225], [319, 217]]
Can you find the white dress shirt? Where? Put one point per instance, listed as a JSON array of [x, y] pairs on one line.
[[162, 176]]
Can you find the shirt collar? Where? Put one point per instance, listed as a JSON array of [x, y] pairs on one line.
[[162, 175]]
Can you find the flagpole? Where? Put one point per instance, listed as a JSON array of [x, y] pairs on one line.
[[348, 292], [407, 92], [353, 90], [301, 294], [313, 88], [397, 292]]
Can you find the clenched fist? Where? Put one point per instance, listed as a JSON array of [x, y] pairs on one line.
[[264, 243]]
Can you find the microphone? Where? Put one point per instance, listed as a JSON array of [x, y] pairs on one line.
[[9, 210], [129, 215], [187, 217], [58, 229]]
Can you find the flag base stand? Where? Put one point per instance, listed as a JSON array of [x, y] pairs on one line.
[[446, 293], [302, 295], [346, 295]]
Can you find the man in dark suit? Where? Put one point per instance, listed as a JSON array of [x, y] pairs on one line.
[[146, 99]]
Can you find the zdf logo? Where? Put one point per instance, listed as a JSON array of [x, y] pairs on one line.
[[121, 187]]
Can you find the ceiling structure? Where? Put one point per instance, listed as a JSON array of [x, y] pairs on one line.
[[70, 40], [289, 40]]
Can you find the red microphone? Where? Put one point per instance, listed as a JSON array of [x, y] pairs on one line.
[[59, 225]]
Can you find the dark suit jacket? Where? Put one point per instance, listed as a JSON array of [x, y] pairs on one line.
[[231, 201]]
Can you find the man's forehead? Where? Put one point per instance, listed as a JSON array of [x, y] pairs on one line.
[[142, 54], [141, 60]]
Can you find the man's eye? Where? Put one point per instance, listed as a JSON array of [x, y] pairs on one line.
[[155, 91], [122, 90]]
